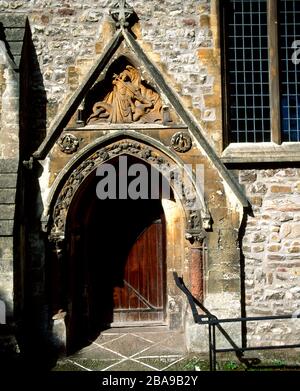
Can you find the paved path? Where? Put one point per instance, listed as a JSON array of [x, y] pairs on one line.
[[140, 349]]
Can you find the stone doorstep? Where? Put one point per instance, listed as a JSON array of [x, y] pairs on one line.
[[137, 329]]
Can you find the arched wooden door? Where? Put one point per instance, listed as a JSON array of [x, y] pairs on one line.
[[115, 267], [141, 299]]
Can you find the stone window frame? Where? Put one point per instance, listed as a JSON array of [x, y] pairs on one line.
[[256, 152]]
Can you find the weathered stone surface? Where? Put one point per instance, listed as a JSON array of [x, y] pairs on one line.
[[8, 166], [258, 249], [6, 227], [294, 249], [258, 237], [6, 266], [7, 212], [290, 231], [67, 37], [274, 295], [7, 196], [276, 230], [248, 176], [274, 248], [258, 188], [6, 247], [257, 201], [275, 237], [8, 181], [280, 189]]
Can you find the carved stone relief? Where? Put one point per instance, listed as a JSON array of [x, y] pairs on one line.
[[68, 143], [130, 100], [181, 142]]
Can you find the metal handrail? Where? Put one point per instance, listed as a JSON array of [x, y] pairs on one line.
[[213, 322]]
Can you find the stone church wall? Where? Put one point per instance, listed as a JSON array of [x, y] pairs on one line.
[[181, 37], [271, 246]]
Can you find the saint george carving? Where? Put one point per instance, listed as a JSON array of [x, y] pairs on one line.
[[129, 101]]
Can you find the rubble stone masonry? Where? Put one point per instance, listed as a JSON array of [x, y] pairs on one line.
[[182, 39], [271, 247]]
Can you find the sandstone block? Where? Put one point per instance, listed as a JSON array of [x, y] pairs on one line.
[[8, 181], [8, 166], [6, 266], [294, 249], [7, 196], [275, 237], [275, 229], [270, 278], [280, 189], [274, 248], [6, 227], [7, 212], [257, 201], [290, 231], [258, 238], [258, 249]]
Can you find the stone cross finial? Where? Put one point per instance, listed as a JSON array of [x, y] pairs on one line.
[[121, 12]]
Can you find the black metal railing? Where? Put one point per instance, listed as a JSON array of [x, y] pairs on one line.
[[207, 318]]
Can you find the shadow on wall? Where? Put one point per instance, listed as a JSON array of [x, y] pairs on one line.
[[30, 309], [241, 235]]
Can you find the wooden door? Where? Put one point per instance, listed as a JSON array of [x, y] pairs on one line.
[[142, 298]]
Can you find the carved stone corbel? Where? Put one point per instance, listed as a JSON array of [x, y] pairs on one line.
[[195, 237], [195, 232]]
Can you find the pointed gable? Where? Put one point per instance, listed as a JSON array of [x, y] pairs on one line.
[[101, 109]]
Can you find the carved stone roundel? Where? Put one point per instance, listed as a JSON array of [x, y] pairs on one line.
[[68, 143], [181, 142]]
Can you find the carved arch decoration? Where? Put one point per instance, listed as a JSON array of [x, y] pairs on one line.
[[146, 149]]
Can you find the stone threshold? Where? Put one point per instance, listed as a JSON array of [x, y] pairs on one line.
[[137, 328]]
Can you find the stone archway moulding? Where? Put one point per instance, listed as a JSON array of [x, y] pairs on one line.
[[144, 148]]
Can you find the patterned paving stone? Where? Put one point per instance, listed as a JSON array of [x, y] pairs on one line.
[[97, 353], [129, 366], [133, 351], [159, 362], [96, 364], [128, 345]]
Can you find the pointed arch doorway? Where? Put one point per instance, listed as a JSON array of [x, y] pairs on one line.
[[115, 269]]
